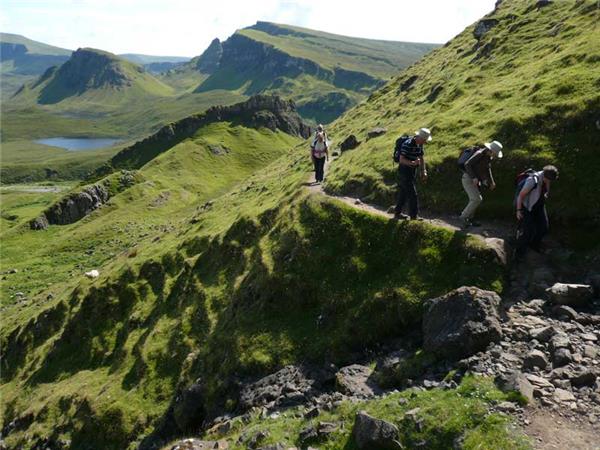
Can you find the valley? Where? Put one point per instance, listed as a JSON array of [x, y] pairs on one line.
[[187, 285]]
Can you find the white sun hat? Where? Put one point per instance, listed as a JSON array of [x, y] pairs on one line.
[[495, 147], [424, 133]]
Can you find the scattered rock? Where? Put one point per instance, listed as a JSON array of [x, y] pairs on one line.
[[218, 150], [350, 143], [39, 223], [516, 381], [535, 358], [461, 323], [565, 312], [583, 378], [542, 334], [374, 434], [376, 132], [561, 357], [570, 294], [562, 395], [196, 444], [354, 381]]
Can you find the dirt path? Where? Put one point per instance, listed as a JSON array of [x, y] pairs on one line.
[[549, 431], [487, 230]]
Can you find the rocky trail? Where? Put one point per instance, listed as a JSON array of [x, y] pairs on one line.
[[541, 339]]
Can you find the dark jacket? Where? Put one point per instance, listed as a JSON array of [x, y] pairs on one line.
[[480, 166]]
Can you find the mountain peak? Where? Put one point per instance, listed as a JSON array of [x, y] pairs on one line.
[[209, 61]]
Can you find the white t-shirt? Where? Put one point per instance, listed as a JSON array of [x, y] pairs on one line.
[[535, 192]]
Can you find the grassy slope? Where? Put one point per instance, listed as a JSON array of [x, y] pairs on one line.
[[537, 93], [34, 47], [238, 289], [378, 58]]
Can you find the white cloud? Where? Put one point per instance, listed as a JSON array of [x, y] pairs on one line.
[[182, 27]]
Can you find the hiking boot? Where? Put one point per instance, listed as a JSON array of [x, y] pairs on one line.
[[400, 216]]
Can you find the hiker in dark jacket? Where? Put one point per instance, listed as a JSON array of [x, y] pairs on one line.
[[319, 153], [477, 173], [531, 209], [412, 160]]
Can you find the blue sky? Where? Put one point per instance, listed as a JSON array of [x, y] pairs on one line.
[[186, 27]]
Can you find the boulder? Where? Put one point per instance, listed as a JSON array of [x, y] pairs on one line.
[[542, 334], [562, 395], [375, 434], [584, 377], [535, 358], [561, 357], [461, 323], [354, 381], [188, 410], [570, 294], [350, 143], [376, 132], [516, 381], [565, 312]]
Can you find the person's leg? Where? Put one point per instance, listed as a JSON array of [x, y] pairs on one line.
[[402, 190], [540, 220], [316, 165], [413, 199], [526, 230], [319, 169], [474, 195]]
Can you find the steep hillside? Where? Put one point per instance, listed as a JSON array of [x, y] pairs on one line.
[[324, 73], [22, 59], [211, 264], [525, 75]]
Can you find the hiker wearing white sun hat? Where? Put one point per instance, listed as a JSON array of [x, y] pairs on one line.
[[476, 164], [411, 161]]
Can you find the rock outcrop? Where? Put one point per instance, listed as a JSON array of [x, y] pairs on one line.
[[267, 111], [461, 323], [76, 205]]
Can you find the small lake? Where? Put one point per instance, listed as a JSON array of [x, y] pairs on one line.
[[78, 144]]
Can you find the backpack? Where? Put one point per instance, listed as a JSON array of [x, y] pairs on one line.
[[465, 154], [398, 146], [520, 182]]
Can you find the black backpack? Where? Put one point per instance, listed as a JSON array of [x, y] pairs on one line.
[[465, 155], [398, 146]]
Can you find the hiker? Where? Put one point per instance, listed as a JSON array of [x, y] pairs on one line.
[[319, 153], [476, 164], [532, 193], [411, 159]]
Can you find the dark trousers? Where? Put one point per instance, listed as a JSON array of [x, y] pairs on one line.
[[407, 190], [532, 228], [319, 167]]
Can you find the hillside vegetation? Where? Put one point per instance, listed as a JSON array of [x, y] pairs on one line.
[[205, 269], [523, 75]]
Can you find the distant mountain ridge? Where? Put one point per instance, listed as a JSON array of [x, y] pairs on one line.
[[90, 71]]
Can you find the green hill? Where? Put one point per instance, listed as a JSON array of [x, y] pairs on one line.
[[210, 261], [155, 64], [324, 73], [22, 59], [523, 75]]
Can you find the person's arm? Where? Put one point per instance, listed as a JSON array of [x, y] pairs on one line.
[[423, 167], [491, 176]]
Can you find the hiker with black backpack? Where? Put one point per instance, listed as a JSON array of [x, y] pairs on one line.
[[476, 165], [319, 153], [409, 155], [532, 191]]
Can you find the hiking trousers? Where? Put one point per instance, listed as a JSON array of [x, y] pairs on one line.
[[319, 168], [532, 228], [407, 190], [474, 195]]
